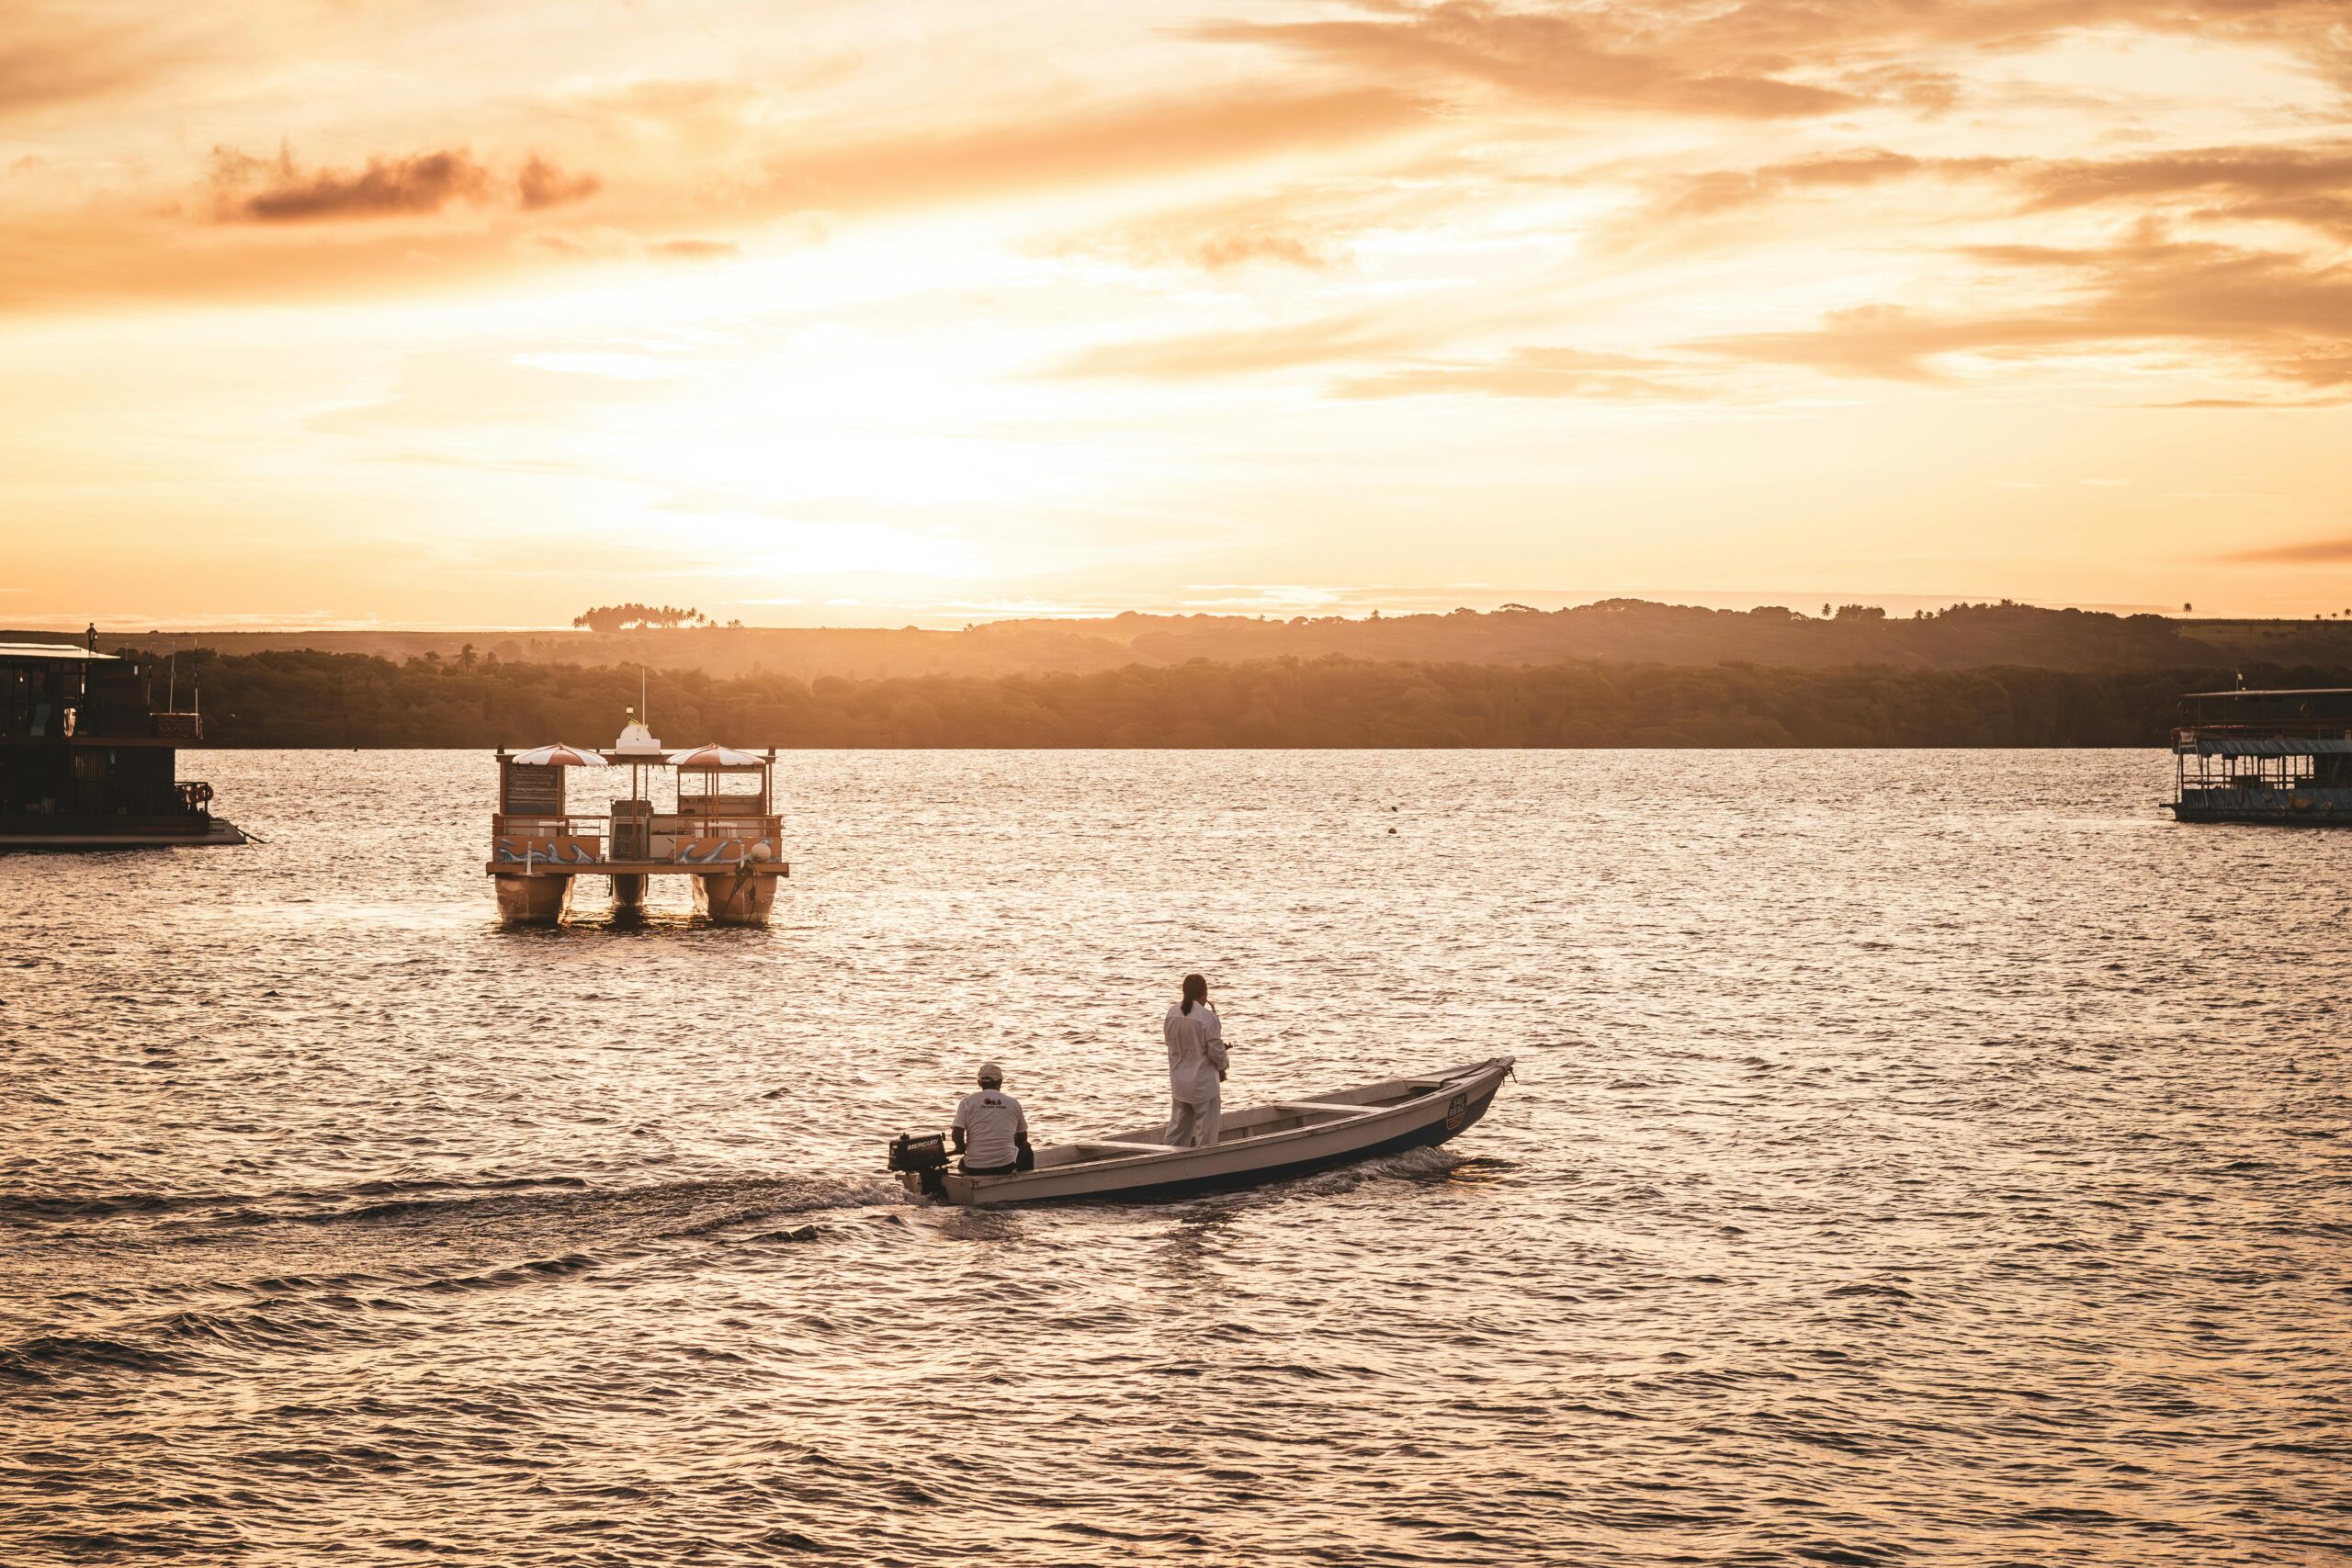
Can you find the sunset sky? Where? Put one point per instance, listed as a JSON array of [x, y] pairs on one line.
[[413, 312]]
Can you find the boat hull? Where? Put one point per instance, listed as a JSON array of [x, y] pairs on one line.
[[734, 898], [1461, 1100], [2286, 814], [103, 833], [538, 900]]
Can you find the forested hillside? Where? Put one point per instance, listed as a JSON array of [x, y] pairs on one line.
[[316, 699], [1631, 631]]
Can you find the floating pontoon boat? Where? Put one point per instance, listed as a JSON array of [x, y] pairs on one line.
[[720, 829], [1264, 1143]]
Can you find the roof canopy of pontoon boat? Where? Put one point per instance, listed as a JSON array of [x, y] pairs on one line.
[[557, 756]]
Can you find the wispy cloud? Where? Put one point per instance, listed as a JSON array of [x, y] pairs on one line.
[[1116, 141], [1835, 174], [543, 184], [1542, 373], [1248, 350], [2285, 316], [1570, 57], [2316, 552], [2305, 184], [53, 57]]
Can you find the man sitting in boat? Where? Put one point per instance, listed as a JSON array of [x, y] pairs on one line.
[[989, 1131]]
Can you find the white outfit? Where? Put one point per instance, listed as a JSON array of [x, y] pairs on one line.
[[1195, 1057], [993, 1128]]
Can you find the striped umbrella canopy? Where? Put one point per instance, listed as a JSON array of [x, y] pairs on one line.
[[716, 757], [557, 757]]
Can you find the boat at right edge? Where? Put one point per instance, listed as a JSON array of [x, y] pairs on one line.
[[2272, 756]]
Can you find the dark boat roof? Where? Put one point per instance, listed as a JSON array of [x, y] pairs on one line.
[[2263, 745], [22, 652], [2282, 692]]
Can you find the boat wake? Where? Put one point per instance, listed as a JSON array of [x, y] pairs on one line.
[[154, 1284]]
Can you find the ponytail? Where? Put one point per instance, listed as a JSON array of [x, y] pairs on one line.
[[1196, 989]]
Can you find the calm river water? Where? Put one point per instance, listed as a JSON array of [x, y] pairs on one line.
[[1915, 1158]]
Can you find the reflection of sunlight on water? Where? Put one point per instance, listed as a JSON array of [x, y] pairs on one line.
[[339, 914]]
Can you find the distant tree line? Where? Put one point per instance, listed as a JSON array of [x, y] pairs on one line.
[[1622, 631], [633, 616], [296, 699]]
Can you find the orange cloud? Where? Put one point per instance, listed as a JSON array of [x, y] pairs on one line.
[[2312, 551], [542, 184], [48, 59], [128, 247], [1721, 190], [279, 191], [386, 188], [1564, 57], [2310, 185], [2281, 315], [1746, 61], [1121, 142]]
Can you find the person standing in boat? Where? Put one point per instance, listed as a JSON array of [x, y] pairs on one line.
[[1196, 1063]]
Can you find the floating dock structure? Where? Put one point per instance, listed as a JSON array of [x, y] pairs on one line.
[[2274, 756], [718, 827]]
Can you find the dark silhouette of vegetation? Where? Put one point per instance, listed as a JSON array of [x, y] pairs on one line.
[[1628, 631], [295, 699], [639, 617]]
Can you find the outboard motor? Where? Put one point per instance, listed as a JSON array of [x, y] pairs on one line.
[[924, 1157]]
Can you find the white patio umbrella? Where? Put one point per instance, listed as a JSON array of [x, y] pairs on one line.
[[716, 757], [557, 757]]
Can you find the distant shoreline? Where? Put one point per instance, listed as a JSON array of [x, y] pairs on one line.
[[331, 700], [1966, 637]]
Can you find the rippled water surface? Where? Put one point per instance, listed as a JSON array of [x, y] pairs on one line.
[[1915, 1158]]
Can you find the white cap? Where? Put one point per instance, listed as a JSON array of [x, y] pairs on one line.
[[990, 1073]]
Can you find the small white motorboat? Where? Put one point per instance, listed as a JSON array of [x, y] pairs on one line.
[[1264, 1142]]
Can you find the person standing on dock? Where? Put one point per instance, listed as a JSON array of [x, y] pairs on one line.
[[1196, 1063]]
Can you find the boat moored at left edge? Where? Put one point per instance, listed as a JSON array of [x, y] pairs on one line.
[[88, 763]]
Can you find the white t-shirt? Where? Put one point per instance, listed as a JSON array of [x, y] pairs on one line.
[[993, 1127]]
